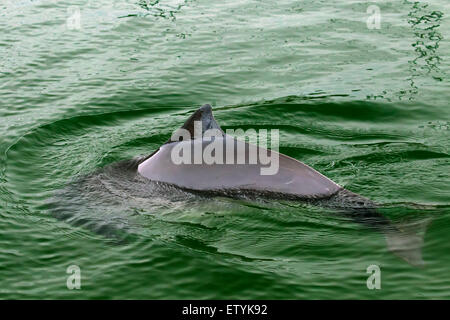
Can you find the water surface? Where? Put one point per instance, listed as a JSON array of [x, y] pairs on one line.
[[366, 107]]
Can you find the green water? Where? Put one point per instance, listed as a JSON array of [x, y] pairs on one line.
[[366, 107]]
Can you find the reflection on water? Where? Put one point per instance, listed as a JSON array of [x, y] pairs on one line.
[[157, 9], [425, 24]]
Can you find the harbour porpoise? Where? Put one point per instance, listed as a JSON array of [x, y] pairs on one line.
[[232, 171]]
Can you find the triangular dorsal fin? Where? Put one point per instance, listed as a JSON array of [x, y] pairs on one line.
[[203, 114]]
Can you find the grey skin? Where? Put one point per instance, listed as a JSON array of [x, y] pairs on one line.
[[294, 180]]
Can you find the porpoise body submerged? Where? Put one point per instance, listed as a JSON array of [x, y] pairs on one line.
[[292, 179]]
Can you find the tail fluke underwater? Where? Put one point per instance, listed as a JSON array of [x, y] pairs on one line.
[[406, 241]]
